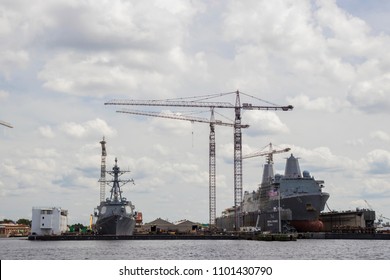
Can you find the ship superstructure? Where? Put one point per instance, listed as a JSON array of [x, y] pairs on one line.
[[296, 191], [115, 215]]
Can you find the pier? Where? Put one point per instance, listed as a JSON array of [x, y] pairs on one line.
[[236, 236]]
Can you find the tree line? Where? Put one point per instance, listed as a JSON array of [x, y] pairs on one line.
[[26, 222]]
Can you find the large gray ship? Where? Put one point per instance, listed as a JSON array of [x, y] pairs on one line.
[[115, 215], [298, 196]]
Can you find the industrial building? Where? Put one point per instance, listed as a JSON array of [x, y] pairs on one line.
[[162, 226], [49, 221]]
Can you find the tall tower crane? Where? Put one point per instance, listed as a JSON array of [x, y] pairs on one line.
[[212, 149], [103, 172], [6, 124], [237, 132]]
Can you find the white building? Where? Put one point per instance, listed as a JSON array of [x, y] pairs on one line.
[[49, 220]]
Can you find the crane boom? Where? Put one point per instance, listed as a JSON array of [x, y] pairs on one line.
[[178, 117], [265, 153], [6, 124], [170, 103]]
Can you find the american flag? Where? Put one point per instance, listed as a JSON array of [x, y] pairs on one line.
[[273, 193]]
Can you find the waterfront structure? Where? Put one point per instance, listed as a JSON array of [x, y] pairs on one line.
[[49, 221], [351, 219], [159, 225], [186, 226], [11, 230], [162, 226]]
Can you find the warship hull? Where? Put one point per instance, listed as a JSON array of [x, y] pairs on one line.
[[115, 225], [305, 211]]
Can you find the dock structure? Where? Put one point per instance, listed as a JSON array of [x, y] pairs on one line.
[[132, 237], [252, 237], [343, 221]]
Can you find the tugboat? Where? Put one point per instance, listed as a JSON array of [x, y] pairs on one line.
[[115, 215]]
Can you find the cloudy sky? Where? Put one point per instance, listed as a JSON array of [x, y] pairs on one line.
[[61, 60]]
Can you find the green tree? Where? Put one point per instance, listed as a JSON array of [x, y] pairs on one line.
[[6, 221], [24, 222], [76, 227]]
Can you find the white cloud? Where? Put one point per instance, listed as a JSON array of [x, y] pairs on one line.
[[95, 127], [376, 187], [11, 60], [379, 161], [46, 131], [355, 142], [322, 158], [380, 135], [134, 46], [326, 104], [371, 94], [74, 129], [263, 122]]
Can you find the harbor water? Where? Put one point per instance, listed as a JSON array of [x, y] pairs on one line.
[[302, 249]]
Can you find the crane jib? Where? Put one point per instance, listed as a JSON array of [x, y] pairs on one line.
[[171, 103], [245, 106]]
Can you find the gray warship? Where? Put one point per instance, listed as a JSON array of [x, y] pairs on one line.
[[297, 198], [115, 215]]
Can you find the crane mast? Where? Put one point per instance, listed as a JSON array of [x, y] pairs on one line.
[[103, 172], [212, 172], [237, 133], [212, 148], [237, 163]]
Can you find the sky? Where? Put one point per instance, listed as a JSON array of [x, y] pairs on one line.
[[60, 61]]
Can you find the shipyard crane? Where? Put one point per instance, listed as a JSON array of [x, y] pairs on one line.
[[103, 172], [212, 149], [269, 154], [237, 131], [6, 124], [381, 217]]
